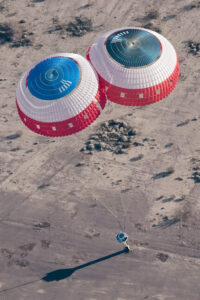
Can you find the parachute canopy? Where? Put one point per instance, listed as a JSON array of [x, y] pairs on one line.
[[136, 66], [59, 95]]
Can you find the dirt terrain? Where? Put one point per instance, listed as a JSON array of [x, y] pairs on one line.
[[63, 200]]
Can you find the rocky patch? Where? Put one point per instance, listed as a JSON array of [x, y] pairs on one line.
[[15, 34], [41, 225], [166, 222], [45, 244], [181, 124], [13, 136], [6, 253], [196, 176], [43, 186], [21, 263], [164, 174], [113, 136], [192, 5], [195, 170], [79, 27], [6, 33], [27, 247], [162, 257], [169, 17], [76, 28], [152, 25], [193, 48], [150, 15]]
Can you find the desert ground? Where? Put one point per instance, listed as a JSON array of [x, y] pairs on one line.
[[62, 203]]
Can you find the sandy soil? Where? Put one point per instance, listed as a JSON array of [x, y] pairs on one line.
[[59, 207]]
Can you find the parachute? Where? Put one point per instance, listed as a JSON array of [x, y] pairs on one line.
[[64, 93], [136, 66], [59, 95]]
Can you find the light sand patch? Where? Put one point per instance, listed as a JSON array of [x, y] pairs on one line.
[[41, 291]]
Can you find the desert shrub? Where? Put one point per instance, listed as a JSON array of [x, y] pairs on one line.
[[6, 33], [79, 27]]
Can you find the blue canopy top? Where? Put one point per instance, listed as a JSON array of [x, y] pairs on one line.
[[53, 78]]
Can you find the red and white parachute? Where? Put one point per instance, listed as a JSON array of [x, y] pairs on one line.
[[136, 66], [63, 93], [59, 95]]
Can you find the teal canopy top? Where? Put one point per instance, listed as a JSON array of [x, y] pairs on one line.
[[133, 47]]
